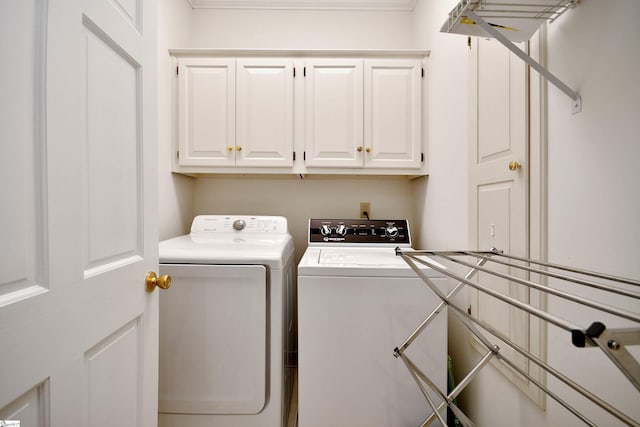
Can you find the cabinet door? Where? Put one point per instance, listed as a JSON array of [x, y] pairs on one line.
[[392, 113], [206, 119], [264, 103], [334, 113]]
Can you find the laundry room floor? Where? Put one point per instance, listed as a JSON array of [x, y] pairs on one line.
[[293, 407]]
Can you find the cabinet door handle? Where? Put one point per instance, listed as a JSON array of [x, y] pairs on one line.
[[229, 148], [368, 149], [359, 148], [238, 148]]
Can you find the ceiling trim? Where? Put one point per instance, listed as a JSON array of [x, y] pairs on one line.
[[373, 5]]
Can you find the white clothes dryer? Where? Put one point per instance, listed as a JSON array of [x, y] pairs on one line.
[[226, 323], [358, 301]]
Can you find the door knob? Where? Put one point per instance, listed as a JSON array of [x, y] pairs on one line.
[[238, 148], [360, 148], [152, 280], [514, 166], [229, 148], [368, 149]]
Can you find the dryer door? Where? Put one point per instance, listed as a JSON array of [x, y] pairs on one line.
[[213, 339]]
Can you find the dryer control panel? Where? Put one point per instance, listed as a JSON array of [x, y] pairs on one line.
[[373, 232], [246, 224]]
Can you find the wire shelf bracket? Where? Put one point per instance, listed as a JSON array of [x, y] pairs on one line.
[[509, 22], [614, 342]]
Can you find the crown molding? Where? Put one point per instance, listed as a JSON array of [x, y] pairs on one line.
[[365, 5]]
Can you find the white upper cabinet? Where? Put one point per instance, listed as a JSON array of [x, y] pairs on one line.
[[235, 113], [363, 113], [300, 111], [264, 109], [392, 113], [334, 113], [206, 112]]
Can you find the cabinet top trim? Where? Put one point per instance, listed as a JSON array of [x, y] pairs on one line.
[[213, 52]]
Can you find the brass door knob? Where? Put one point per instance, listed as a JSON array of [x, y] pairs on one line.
[[514, 166], [229, 148], [152, 280], [368, 149], [359, 148], [238, 148]]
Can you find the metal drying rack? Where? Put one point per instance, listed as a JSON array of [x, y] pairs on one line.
[[613, 342], [509, 21]]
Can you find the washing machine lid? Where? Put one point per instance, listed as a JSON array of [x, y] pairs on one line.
[[231, 239], [357, 262]]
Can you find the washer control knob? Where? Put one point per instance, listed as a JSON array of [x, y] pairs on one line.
[[391, 231], [239, 224], [341, 230], [325, 230]]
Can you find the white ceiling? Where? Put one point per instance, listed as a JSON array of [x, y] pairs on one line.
[[391, 5]]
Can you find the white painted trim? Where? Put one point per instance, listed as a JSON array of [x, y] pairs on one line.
[[364, 5], [360, 53]]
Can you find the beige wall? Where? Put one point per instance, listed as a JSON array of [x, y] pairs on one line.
[[301, 29], [300, 199], [175, 192]]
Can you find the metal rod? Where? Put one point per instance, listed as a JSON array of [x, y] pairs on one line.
[[620, 357], [618, 279], [467, 380], [572, 279], [478, 254], [547, 391], [419, 329], [527, 16], [425, 393], [561, 294], [418, 373], [461, 314], [522, 55], [465, 317], [561, 323], [426, 279], [437, 310]]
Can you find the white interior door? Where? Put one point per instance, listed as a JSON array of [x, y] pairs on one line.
[[78, 330], [498, 205]]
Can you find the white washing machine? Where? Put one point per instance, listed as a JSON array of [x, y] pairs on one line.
[[357, 301], [227, 323]]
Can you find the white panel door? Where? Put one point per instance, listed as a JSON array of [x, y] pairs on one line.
[[498, 196], [392, 113], [264, 102], [334, 113], [78, 330], [206, 112]]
